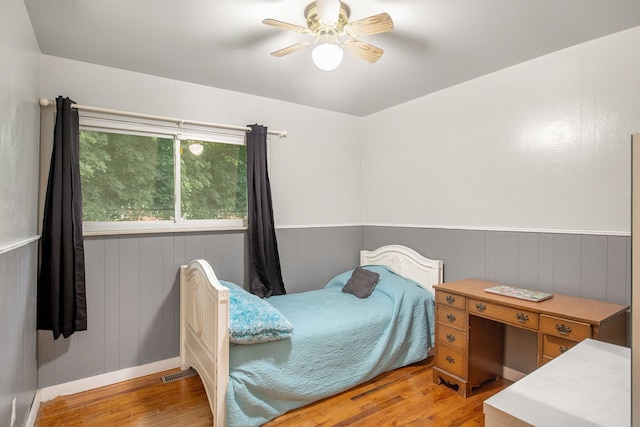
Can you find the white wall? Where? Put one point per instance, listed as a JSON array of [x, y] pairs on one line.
[[544, 145], [315, 171], [19, 87], [19, 116]]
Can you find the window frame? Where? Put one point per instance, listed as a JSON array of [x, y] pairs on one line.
[[177, 132]]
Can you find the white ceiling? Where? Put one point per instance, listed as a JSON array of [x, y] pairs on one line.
[[435, 43]]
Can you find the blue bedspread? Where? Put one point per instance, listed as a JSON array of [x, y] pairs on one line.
[[338, 341]]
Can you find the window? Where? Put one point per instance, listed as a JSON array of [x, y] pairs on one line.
[[213, 184], [130, 182], [126, 177]]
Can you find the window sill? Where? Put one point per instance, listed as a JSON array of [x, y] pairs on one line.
[[160, 227]]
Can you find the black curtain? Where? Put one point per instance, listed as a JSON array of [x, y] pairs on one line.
[[265, 275], [62, 306]]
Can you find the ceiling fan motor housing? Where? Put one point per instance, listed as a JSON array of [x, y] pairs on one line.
[[314, 24]]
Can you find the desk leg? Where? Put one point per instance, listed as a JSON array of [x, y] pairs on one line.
[[540, 349], [440, 376]]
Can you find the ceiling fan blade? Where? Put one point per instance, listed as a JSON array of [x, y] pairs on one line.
[[286, 26], [328, 11], [362, 50], [376, 24], [293, 48]]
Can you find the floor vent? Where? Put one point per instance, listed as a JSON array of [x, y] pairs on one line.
[[179, 375]]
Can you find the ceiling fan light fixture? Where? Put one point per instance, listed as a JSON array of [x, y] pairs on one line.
[[327, 56]]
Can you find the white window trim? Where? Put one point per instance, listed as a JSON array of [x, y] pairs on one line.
[[146, 227], [106, 123]]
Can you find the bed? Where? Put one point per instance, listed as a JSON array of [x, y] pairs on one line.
[[339, 339]]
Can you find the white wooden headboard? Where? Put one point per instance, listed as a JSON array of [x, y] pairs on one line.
[[407, 263]]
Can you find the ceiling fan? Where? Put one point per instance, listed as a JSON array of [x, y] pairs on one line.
[[328, 22]]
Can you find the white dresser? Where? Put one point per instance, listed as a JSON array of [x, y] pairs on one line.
[[589, 385]]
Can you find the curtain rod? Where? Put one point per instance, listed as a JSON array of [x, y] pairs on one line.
[[44, 102]]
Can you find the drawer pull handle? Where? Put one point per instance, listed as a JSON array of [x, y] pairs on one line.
[[451, 337], [451, 318], [522, 318], [562, 349], [480, 307], [450, 299], [563, 330], [450, 359]]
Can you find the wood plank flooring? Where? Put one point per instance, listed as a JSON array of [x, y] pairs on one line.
[[403, 397]]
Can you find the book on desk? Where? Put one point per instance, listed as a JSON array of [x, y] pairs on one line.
[[525, 294]]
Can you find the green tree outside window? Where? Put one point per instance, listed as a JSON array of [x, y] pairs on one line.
[[131, 178]]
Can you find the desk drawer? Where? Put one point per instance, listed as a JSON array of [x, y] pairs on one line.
[[553, 346], [451, 317], [451, 336], [563, 328], [514, 316], [451, 300], [451, 360]]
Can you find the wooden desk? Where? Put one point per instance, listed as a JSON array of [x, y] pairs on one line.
[[470, 326]]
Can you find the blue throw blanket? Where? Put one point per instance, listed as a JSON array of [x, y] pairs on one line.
[[338, 341]]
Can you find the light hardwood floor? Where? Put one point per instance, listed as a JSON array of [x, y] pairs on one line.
[[403, 397]]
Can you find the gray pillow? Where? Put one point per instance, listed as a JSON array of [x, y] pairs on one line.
[[361, 282]]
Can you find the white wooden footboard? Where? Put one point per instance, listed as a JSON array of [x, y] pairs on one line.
[[204, 336]]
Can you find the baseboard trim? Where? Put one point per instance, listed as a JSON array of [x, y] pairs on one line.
[[84, 384], [511, 374], [33, 412]]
